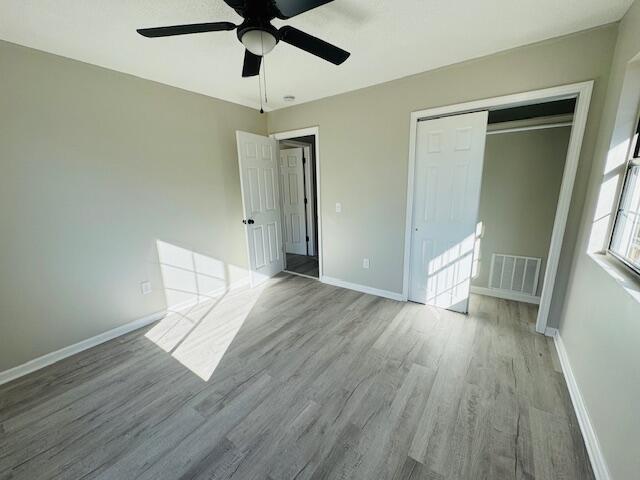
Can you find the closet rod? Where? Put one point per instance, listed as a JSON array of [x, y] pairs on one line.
[[534, 127]]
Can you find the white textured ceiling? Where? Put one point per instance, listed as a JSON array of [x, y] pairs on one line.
[[387, 39]]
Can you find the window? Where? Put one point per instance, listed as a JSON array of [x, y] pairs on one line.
[[625, 241], [636, 149]]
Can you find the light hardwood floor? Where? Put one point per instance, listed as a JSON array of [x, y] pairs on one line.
[[301, 380]]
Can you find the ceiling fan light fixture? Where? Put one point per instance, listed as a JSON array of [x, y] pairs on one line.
[[257, 33], [258, 42]]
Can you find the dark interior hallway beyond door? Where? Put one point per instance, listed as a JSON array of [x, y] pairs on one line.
[[303, 264]]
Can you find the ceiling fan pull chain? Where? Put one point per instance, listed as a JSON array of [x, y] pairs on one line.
[[264, 78], [260, 92], [260, 74], [264, 69]]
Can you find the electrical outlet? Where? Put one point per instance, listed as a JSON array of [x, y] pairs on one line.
[[338, 207], [365, 263], [145, 288]]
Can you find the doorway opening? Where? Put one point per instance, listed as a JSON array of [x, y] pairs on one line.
[[298, 183], [524, 159], [491, 220]]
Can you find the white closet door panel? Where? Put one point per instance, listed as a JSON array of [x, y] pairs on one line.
[[448, 175]]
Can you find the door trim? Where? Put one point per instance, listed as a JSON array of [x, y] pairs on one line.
[[303, 132], [582, 92]]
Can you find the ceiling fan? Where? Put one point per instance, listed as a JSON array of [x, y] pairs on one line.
[[257, 33]]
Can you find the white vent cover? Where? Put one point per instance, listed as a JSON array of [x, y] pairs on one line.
[[514, 273]]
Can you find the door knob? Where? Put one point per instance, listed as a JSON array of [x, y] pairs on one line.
[[250, 221]]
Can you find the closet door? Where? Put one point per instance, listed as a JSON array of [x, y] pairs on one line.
[[448, 175]]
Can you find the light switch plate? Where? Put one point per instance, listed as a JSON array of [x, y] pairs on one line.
[[338, 207], [365, 263], [145, 288]]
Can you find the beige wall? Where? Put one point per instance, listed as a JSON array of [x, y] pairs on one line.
[[364, 141], [95, 167], [601, 319], [520, 187]]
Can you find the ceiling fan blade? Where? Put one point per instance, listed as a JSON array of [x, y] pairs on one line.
[[251, 66], [185, 29], [291, 8], [313, 45]]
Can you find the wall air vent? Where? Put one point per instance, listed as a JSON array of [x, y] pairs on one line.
[[514, 273]]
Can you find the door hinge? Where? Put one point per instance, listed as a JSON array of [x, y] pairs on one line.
[[304, 160], [305, 201], [307, 238]]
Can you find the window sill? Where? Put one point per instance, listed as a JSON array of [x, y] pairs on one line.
[[619, 272]]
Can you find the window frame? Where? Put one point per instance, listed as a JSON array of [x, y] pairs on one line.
[[632, 161], [636, 148]]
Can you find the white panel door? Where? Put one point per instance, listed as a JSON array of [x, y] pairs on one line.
[[257, 158], [448, 176], [293, 206]]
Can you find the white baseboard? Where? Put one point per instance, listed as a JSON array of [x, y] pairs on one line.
[[363, 288], [301, 274], [53, 357], [506, 295], [596, 456], [551, 332]]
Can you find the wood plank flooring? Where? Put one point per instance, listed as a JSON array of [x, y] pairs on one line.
[[301, 380], [303, 264]]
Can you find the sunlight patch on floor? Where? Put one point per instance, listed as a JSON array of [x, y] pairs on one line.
[[205, 310], [199, 337]]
